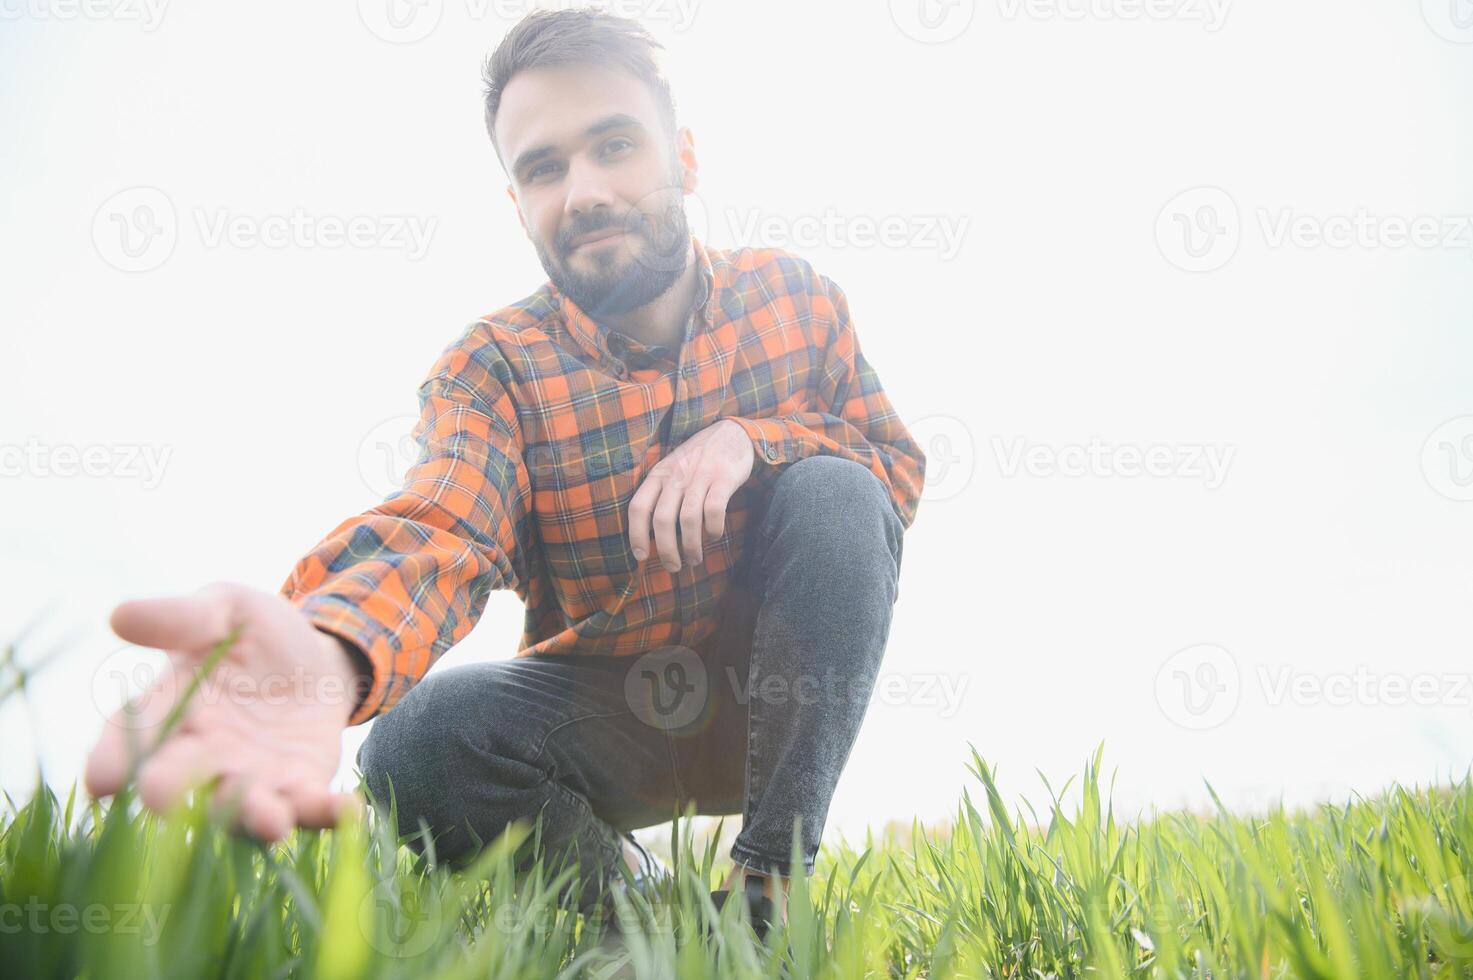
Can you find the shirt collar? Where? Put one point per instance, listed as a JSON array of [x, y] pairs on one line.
[[593, 338]]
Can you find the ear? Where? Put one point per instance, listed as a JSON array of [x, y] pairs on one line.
[[685, 146], [516, 204]]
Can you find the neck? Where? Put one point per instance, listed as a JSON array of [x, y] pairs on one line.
[[661, 322]]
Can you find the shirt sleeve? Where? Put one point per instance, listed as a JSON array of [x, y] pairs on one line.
[[406, 580], [858, 423]]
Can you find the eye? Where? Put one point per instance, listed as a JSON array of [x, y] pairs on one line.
[[617, 143], [539, 169]]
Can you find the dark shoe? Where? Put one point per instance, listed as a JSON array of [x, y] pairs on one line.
[[759, 907]]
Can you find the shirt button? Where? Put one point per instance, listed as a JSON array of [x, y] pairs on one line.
[[772, 453]]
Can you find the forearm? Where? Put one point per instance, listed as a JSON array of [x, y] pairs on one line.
[[401, 592]]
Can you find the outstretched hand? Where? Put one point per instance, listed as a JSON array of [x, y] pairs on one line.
[[266, 721]]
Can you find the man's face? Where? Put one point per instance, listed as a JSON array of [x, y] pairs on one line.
[[598, 182]]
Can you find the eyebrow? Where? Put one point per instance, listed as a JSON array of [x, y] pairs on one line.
[[619, 120]]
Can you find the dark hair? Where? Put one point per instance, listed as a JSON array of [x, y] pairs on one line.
[[546, 38]]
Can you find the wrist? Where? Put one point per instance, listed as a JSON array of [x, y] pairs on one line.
[[350, 669], [743, 436]]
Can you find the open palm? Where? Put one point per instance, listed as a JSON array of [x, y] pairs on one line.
[[267, 720]]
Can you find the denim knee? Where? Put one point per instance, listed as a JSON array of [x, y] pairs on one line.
[[836, 498], [413, 751]]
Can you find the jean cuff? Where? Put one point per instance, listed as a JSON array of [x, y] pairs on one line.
[[758, 862]]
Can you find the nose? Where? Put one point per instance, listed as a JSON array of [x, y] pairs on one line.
[[588, 189]]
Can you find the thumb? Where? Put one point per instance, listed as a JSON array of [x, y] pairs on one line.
[[190, 624]]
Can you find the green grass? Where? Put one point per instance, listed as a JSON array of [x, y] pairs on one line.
[[1378, 887]]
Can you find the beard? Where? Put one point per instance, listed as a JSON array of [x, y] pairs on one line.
[[632, 272]]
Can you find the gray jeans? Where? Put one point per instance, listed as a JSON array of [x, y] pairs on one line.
[[760, 722]]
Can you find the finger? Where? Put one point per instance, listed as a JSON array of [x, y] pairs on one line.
[[250, 803], [107, 764], [184, 762], [666, 510], [321, 809], [191, 623], [692, 519], [227, 799], [266, 815], [131, 732], [641, 505], [718, 498]]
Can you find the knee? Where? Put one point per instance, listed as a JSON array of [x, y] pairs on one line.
[[450, 767], [407, 759], [838, 501]]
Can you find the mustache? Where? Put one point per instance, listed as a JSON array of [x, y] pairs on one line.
[[658, 228], [564, 240]]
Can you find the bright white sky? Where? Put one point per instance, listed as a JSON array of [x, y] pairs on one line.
[[1038, 166]]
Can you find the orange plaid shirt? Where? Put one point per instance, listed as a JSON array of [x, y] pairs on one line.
[[536, 428]]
